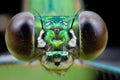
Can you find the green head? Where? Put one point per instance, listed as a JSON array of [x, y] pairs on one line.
[[59, 39], [55, 39]]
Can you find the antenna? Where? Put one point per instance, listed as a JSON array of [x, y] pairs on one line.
[[40, 18], [75, 17]]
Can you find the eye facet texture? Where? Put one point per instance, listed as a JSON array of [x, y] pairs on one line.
[[93, 35], [20, 36]]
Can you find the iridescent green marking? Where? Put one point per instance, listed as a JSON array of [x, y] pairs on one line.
[[56, 30], [57, 54]]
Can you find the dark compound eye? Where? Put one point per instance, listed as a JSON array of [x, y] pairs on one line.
[[93, 35], [19, 36]]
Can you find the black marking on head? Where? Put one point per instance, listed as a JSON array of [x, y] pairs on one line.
[[43, 36], [70, 35], [57, 63], [40, 18], [76, 15]]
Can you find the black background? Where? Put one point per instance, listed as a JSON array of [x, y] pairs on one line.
[[107, 9], [10, 6]]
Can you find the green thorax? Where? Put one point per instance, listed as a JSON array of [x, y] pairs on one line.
[[52, 7]]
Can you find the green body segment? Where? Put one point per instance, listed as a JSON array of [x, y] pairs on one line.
[[52, 7]]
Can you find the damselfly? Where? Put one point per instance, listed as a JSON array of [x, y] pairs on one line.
[[56, 36]]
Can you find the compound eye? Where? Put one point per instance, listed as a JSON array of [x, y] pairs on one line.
[[93, 35], [19, 36]]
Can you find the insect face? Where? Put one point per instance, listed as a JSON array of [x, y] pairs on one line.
[[57, 43]]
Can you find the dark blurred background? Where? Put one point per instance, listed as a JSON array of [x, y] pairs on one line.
[[108, 10], [8, 8]]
